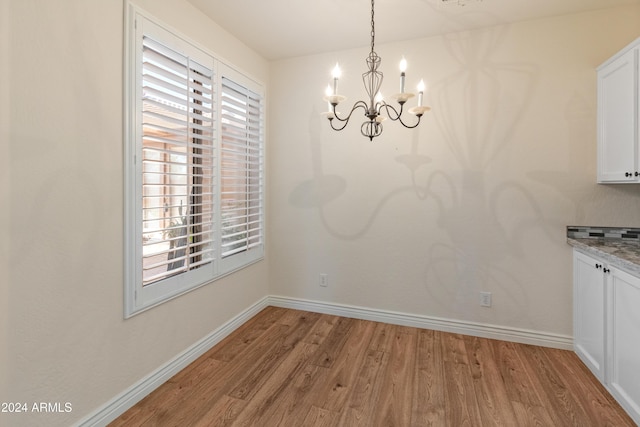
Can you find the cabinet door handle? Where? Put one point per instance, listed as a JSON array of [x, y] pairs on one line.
[[627, 174], [606, 270], [598, 265], [637, 174]]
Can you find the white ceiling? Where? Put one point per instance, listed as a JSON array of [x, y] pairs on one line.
[[287, 28]]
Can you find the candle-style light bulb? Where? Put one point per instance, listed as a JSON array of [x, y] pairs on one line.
[[421, 88], [336, 75], [403, 65], [328, 93], [403, 68]]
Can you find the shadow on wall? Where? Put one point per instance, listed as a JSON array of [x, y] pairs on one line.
[[477, 108], [580, 116], [477, 113]]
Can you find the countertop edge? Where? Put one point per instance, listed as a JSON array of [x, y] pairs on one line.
[[614, 260]]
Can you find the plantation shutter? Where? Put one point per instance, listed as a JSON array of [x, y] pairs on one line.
[[194, 168], [241, 169], [177, 164]]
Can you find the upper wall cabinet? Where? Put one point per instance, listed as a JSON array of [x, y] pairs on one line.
[[618, 117]]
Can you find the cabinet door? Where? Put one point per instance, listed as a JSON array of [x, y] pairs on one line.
[[624, 341], [588, 312], [617, 119]]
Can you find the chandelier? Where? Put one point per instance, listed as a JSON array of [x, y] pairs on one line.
[[375, 105]]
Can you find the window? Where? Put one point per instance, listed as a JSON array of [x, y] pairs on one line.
[[194, 166]]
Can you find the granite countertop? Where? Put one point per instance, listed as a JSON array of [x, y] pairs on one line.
[[618, 247]]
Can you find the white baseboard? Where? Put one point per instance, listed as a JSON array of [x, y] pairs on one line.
[[524, 336], [119, 404]]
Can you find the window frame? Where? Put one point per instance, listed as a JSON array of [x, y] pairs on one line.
[[139, 297]]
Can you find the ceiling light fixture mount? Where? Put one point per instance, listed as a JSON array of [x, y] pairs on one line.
[[375, 105]]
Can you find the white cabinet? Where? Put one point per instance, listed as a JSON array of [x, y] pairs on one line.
[[623, 369], [588, 313], [607, 327], [618, 117]]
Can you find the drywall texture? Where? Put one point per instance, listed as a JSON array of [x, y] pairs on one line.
[[62, 310], [477, 198]]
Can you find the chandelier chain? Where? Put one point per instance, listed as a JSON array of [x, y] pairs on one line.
[[373, 26]]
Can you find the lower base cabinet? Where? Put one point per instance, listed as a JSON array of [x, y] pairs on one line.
[[588, 313], [623, 344], [607, 327]]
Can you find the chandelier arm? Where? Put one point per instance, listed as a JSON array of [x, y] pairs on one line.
[[359, 104], [338, 128], [410, 126], [387, 107], [398, 115]]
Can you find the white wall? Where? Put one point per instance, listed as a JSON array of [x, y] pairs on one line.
[[5, 188], [476, 199], [62, 211]]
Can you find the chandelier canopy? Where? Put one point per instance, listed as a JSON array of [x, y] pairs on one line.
[[374, 106]]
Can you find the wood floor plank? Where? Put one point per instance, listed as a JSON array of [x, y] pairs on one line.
[[294, 368], [428, 408], [300, 395], [324, 326], [292, 317], [366, 392], [531, 416], [491, 394], [231, 374], [333, 393], [513, 374], [169, 398], [245, 335], [593, 396], [276, 397], [461, 405], [318, 417], [199, 394], [394, 405], [288, 394], [222, 414], [332, 345], [551, 390], [382, 337], [525, 399], [258, 371], [195, 405]]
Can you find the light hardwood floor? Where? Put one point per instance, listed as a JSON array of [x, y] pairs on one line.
[[293, 368]]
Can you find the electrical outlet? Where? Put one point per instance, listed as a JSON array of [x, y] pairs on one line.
[[324, 280], [485, 299]]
